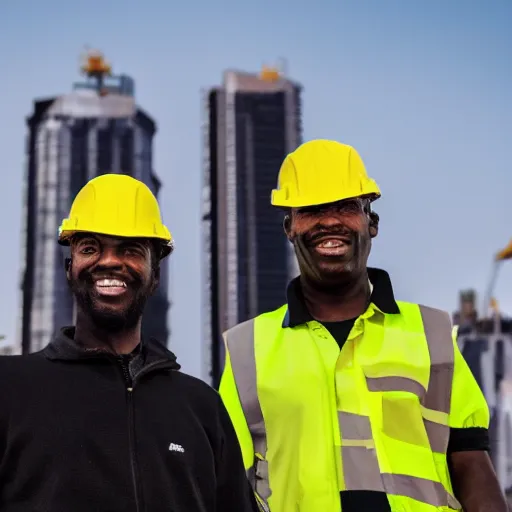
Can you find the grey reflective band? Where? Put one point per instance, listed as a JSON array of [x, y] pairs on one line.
[[438, 435], [394, 383], [262, 505], [360, 465], [438, 331], [240, 345]]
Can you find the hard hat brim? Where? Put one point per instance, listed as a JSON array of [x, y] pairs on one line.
[[303, 204]]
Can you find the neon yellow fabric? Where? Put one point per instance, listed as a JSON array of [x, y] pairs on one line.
[[228, 391], [320, 172], [362, 419], [116, 205], [468, 405]]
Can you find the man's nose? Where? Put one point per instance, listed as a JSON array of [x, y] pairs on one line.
[[110, 258], [331, 219]]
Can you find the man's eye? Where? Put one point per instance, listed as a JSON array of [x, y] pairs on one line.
[[87, 250], [350, 207], [134, 251], [311, 210]]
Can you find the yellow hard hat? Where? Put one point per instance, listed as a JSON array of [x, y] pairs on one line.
[[320, 172], [116, 205]]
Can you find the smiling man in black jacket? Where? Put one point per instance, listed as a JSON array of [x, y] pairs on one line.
[[101, 420]]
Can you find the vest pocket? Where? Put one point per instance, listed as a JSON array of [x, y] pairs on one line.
[[405, 448], [402, 418]]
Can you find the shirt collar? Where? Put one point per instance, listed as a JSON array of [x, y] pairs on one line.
[[382, 297]]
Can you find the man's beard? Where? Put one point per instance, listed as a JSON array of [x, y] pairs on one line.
[[329, 273], [105, 318]]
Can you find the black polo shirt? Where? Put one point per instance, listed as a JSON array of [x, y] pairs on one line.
[[461, 439]]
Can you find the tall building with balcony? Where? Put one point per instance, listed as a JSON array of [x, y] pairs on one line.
[[95, 129], [252, 121]]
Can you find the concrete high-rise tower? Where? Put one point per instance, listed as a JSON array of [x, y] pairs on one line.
[[251, 123], [95, 129]]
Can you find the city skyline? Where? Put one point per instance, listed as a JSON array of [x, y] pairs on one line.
[[421, 90]]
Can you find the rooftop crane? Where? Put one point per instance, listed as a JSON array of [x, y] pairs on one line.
[[274, 73], [96, 67], [501, 256]]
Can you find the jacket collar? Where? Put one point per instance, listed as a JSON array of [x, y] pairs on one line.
[[382, 297], [64, 348]]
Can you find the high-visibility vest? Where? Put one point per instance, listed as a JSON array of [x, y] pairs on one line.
[[313, 421]]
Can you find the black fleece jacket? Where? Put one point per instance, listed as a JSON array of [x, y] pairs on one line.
[[86, 431]]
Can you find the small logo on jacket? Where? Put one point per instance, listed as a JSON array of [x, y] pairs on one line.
[[176, 448]]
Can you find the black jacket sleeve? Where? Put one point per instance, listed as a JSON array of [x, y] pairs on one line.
[[234, 492]]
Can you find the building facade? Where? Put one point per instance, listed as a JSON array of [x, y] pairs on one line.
[[251, 123], [72, 139]]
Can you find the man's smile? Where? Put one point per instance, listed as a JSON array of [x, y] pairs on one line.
[[110, 287], [326, 244], [331, 247]]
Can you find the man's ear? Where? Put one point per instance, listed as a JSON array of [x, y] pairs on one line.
[[156, 278], [287, 225], [67, 266], [374, 224]]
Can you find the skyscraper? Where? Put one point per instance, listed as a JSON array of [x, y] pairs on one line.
[[251, 122], [96, 129]]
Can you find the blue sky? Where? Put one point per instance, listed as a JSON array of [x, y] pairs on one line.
[[421, 89]]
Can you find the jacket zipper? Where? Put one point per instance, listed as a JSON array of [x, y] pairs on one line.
[[131, 434]]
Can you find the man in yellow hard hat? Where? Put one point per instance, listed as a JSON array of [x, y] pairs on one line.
[[101, 419], [345, 398]]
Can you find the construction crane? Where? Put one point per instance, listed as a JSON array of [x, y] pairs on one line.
[[500, 257], [275, 73], [270, 74], [95, 67]]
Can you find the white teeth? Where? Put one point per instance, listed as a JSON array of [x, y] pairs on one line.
[[105, 283], [331, 243]]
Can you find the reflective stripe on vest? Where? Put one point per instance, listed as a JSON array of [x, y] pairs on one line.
[[361, 469], [240, 343]]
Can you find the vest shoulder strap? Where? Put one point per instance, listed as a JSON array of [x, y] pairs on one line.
[[240, 345], [437, 325]]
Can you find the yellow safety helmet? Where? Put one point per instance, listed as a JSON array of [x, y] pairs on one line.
[[320, 172], [116, 205]]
